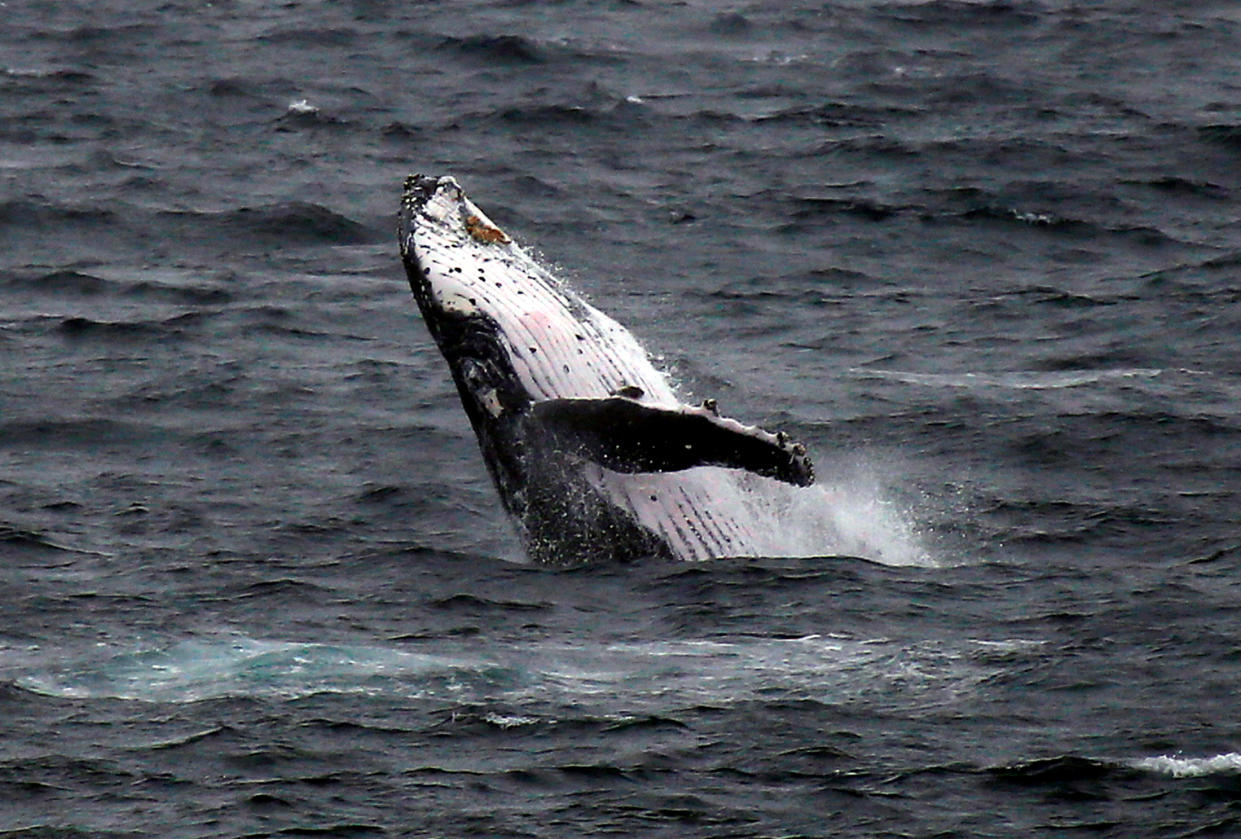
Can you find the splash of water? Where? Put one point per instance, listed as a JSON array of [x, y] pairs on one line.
[[851, 517]]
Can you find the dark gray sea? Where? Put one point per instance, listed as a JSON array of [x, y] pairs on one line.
[[983, 258]]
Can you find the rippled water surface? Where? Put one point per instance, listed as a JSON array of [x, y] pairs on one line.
[[983, 258]]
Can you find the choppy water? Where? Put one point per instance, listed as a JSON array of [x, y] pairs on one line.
[[983, 257]]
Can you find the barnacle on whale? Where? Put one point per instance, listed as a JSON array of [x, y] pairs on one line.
[[486, 233]]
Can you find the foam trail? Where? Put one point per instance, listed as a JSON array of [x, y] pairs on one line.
[[688, 671]]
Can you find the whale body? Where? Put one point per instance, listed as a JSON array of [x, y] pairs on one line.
[[591, 451]]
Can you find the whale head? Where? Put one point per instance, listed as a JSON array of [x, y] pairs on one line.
[[454, 258]]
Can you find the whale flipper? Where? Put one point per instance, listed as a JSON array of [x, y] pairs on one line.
[[627, 436]]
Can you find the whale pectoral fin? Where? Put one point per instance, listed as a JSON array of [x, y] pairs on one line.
[[627, 436]]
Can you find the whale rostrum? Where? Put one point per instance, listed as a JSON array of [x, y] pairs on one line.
[[593, 454]]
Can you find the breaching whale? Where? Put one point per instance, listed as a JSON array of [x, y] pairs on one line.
[[592, 453]]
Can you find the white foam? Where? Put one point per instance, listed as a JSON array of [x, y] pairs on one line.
[[303, 107], [633, 674], [507, 721], [849, 517], [1191, 767], [197, 669]]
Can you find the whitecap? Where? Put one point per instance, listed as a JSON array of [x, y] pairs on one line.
[[507, 721], [303, 107], [1191, 767]]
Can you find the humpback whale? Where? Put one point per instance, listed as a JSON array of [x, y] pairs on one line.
[[591, 451]]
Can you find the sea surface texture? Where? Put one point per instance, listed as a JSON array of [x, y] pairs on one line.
[[983, 258]]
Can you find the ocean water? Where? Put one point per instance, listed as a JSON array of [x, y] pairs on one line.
[[983, 258]]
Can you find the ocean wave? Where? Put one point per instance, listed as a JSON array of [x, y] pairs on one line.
[[550, 114], [1074, 769], [968, 207], [491, 50], [397, 131], [15, 538], [177, 326], [509, 49], [26, 212], [807, 208], [837, 115], [301, 113], [77, 283], [1016, 380], [1047, 295], [1175, 185], [1079, 228], [311, 37], [593, 108], [243, 87], [1062, 769], [66, 282], [71, 432], [981, 13], [802, 209], [1223, 134], [1178, 766], [45, 79], [291, 222], [197, 669], [88, 33]]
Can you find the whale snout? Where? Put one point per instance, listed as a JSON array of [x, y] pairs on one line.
[[435, 210], [428, 199], [457, 261], [419, 189]]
